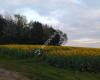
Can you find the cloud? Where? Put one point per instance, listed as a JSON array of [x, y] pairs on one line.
[[87, 41], [80, 19], [2, 11], [92, 4], [35, 16]]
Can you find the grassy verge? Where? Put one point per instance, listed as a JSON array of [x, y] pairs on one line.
[[51, 66], [35, 70]]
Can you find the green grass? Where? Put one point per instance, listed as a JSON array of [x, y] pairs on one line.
[[72, 65], [35, 70]]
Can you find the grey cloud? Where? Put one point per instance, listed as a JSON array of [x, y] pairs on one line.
[[92, 3], [78, 18]]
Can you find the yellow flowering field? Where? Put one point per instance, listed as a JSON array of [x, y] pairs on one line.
[[57, 50]]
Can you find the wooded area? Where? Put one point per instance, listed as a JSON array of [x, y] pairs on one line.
[[16, 30]]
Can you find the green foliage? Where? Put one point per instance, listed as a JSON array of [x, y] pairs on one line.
[[15, 53], [17, 30], [75, 62], [36, 70], [51, 66]]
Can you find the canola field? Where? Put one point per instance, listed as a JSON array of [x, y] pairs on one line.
[[74, 58], [57, 50]]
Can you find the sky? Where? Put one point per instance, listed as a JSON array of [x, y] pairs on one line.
[[79, 19]]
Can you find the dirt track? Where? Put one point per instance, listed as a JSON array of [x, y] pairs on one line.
[[9, 75]]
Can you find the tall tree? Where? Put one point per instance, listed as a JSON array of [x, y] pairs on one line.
[[15, 29], [58, 38], [2, 24], [21, 22], [37, 33]]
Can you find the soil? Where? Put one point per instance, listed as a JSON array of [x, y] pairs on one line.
[[9, 75]]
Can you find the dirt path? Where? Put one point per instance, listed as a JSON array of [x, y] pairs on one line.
[[9, 75]]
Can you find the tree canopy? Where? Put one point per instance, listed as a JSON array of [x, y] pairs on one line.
[[16, 30]]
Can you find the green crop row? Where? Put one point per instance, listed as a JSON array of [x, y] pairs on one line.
[[76, 62]]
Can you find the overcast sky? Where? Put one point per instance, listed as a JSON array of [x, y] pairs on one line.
[[80, 19]]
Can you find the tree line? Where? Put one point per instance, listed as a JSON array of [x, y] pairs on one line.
[[16, 30]]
